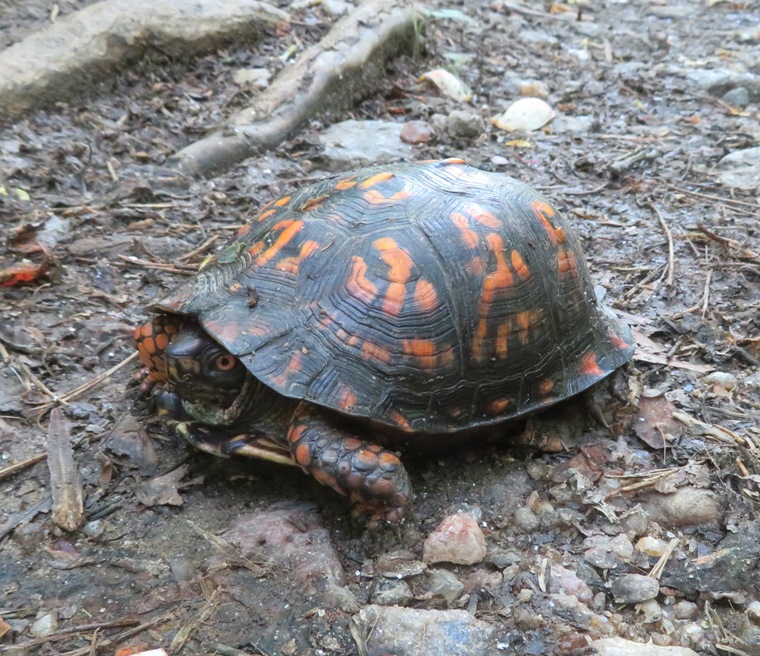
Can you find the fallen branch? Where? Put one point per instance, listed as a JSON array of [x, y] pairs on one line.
[[92, 43], [344, 67]]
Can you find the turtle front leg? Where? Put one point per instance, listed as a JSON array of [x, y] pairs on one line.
[[214, 440], [372, 477]]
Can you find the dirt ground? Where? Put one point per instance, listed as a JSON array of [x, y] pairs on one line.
[[94, 183]]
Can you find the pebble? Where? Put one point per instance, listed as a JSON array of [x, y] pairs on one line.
[[687, 506], [391, 593], [652, 546], [448, 84], [741, 169], [442, 583], [525, 114], [526, 519], [737, 97], [686, 610], [634, 588], [753, 613], [396, 630], [44, 625], [567, 582], [534, 88], [254, 77], [335, 8], [623, 647], [358, 143], [457, 539], [579, 124], [721, 382], [607, 553], [465, 124], [720, 81], [416, 132]]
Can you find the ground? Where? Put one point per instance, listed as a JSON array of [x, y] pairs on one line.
[[633, 159]]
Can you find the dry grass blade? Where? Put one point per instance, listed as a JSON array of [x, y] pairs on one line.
[[184, 634], [659, 567], [668, 272], [230, 551], [20, 466], [718, 433], [78, 391]]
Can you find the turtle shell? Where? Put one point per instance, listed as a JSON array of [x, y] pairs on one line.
[[432, 297]]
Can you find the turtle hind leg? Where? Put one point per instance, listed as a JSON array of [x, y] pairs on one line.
[[372, 477]]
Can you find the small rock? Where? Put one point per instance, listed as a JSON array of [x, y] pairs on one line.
[[651, 610], [398, 565], [634, 588], [457, 539], [44, 625], [686, 610], [526, 519], [579, 124], [623, 647], [442, 583], [741, 169], [534, 88], [255, 77], [607, 553], [753, 613], [536, 37], [448, 84], [652, 546], [737, 97], [355, 143], [391, 593], [415, 132], [722, 382], [567, 582], [718, 82], [687, 506], [525, 114], [464, 123], [414, 632], [335, 8]]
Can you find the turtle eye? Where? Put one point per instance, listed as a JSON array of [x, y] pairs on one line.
[[225, 362]]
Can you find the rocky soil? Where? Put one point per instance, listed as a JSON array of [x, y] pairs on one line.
[[566, 537]]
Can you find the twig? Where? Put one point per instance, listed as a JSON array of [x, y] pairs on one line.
[[668, 272], [726, 201], [706, 295], [728, 243], [185, 269], [63, 634], [78, 391], [718, 433], [196, 251], [124, 635], [20, 466], [659, 567]]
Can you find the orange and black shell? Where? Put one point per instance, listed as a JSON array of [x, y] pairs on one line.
[[431, 297]]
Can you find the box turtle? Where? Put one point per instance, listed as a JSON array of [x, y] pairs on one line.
[[392, 305]]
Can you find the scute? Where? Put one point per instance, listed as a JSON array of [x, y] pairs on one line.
[[432, 297]]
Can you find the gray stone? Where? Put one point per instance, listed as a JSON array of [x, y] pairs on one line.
[[464, 123], [391, 593], [741, 169], [360, 143], [634, 588], [442, 583], [423, 632], [737, 97]]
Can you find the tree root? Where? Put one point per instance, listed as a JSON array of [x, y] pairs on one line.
[[342, 68]]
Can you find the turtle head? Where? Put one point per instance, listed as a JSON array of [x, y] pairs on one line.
[[210, 381]]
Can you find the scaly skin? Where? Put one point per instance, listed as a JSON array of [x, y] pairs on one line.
[[260, 423]]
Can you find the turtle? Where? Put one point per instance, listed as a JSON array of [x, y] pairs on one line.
[[381, 309]]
